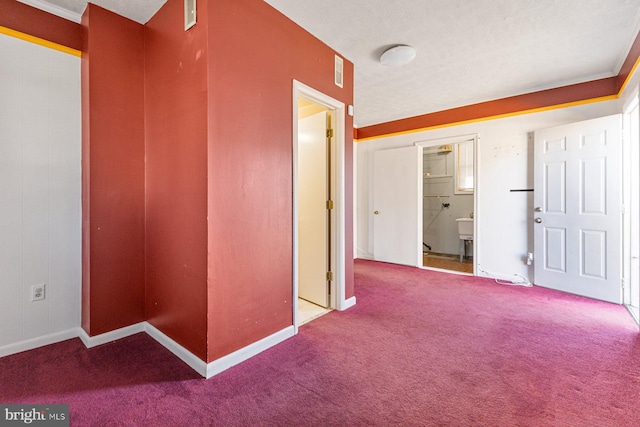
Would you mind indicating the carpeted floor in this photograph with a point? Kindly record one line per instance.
(420, 348)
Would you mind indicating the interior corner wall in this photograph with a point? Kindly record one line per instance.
(256, 54)
(505, 162)
(176, 175)
(113, 171)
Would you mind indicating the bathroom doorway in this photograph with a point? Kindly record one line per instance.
(449, 196)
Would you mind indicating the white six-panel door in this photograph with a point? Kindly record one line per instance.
(397, 231)
(577, 230)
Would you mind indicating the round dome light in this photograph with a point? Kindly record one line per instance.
(398, 55)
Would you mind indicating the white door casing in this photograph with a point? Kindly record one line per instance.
(577, 234)
(631, 220)
(338, 233)
(313, 189)
(397, 190)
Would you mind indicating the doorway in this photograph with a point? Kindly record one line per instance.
(448, 204)
(318, 204)
(315, 133)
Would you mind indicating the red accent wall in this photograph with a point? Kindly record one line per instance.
(29, 20)
(176, 175)
(113, 171)
(256, 52)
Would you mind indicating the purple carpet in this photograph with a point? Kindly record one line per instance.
(420, 348)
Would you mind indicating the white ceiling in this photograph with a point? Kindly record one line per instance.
(136, 10)
(469, 51)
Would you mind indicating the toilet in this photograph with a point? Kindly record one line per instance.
(465, 234)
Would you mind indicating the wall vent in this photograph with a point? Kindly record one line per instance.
(339, 76)
(189, 14)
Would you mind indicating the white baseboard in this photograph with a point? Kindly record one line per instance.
(197, 364)
(348, 303)
(30, 344)
(96, 340)
(362, 254)
(247, 352)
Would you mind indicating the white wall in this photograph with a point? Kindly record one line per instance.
(505, 162)
(40, 191)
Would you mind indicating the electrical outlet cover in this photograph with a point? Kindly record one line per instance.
(38, 292)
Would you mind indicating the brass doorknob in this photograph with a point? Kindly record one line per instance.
(376, 212)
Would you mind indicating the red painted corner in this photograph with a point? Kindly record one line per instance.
(176, 176)
(113, 171)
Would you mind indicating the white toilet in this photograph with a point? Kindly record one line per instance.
(465, 234)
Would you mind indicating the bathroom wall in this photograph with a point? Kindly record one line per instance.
(440, 230)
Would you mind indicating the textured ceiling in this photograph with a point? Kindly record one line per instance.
(469, 51)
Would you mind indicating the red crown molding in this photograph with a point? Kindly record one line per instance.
(530, 101)
(35, 22)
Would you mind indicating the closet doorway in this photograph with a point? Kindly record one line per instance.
(318, 204)
(449, 196)
(314, 221)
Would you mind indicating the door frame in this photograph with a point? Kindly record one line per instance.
(630, 176)
(476, 215)
(337, 178)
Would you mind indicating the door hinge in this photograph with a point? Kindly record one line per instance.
(329, 133)
(329, 204)
(623, 209)
(622, 283)
(329, 276)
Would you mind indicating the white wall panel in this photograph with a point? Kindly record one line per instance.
(40, 190)
(10, 191)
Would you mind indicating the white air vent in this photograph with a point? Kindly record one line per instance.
(339, 76)
(189, 14)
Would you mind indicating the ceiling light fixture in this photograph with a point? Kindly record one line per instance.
(398, 55)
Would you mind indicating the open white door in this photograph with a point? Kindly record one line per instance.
(397, 227)
(313, 218)
(578, 186)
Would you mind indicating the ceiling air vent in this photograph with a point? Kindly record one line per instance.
(189, 14)
(339, 76)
